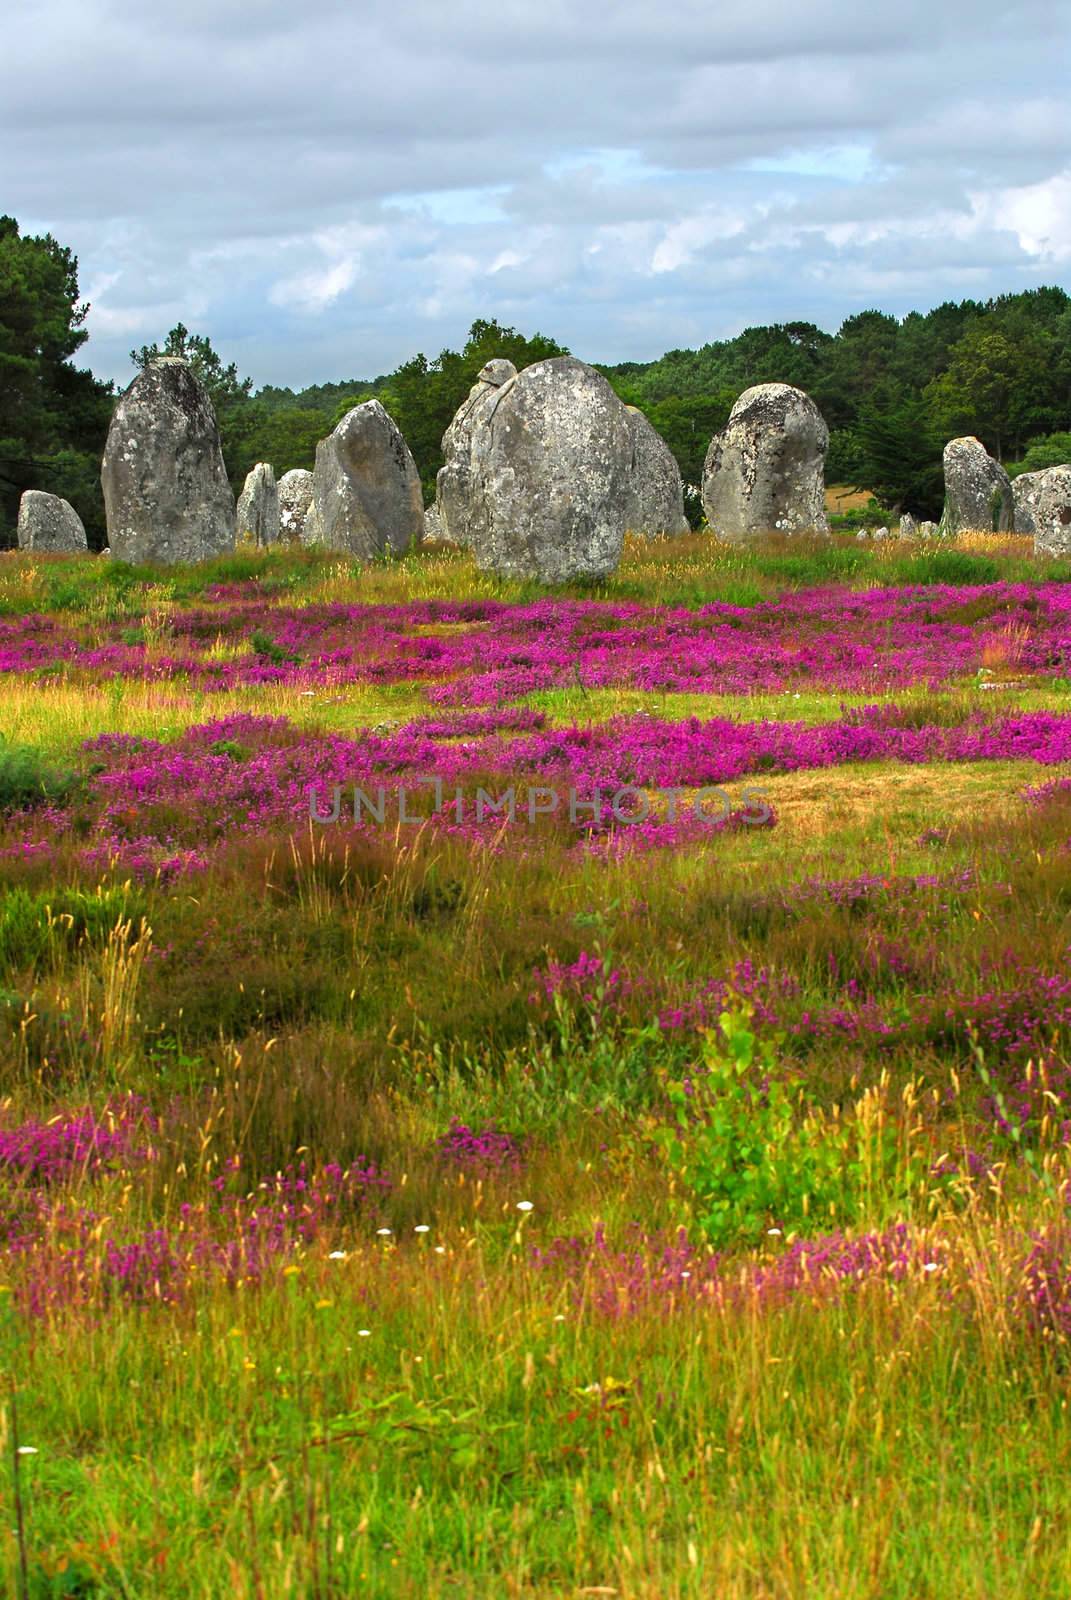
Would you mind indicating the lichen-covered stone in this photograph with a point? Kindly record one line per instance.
(978, 494)
(453, 484)
(258, 506)
(295, 498)
(909, 528)
(765, 471)
(550, 467)
(366, 496)
(433, 526)
(47, 523)
(166, 495)
(656, 494)
(929, 530)
(1043, 508)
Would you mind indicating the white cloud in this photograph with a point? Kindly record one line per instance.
(1039, 214)
(316, 289)
(324, 192)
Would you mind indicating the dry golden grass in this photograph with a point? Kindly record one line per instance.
(896, 799)
(842, 497)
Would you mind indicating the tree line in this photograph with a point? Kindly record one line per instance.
(892, 390)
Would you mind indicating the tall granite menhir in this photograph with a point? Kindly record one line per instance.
(258, 506)
(765, 471)
(453, 486)
(366, 496)
(549, 475)
(166, 495)
(295, 500)
(978, 494)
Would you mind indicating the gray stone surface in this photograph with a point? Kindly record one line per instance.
(166, 495)
(366, 496)
(909, 528)
(1043, 508)
(47, 523)
(978, 495)
(453, 484)
(929, 530)
(295, 498)
(656, 494)
(258, 506)
(550, 469)
(765, 471)
(433, 526)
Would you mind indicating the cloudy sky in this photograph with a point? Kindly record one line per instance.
(325, 192)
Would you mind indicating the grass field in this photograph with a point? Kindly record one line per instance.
(571, 1204)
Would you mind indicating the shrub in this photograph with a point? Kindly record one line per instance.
(37, 928)
(27, 779)
(262, 644)
(750, 1152)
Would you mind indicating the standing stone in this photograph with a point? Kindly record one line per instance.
(656, 497)
(453, 485)
(258, 506)
(550, 473)
(1043, 508)
(366, 495)
(978, 494)
(909, 528)
(166, 495)
(295, 498)
(929, 530)
(47, 523)
(765, 471)
(433, 526)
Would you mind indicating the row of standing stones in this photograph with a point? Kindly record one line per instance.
(545, 471)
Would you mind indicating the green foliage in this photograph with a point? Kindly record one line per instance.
(943, 566)
(37, 929)
(846, 461)
(53, 416)
(752, 1153)
(1051, 450)
(820, 563)
(737, 1146)
(225, 388)
(230, 747)
(28, 779)
(422, 396)
(899, 458)
(264, 645)
(990, 385)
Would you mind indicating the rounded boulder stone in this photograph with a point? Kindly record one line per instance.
(49, 524)
(656, 498)
(765, 471)
(1043, 508)
(551, 467)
